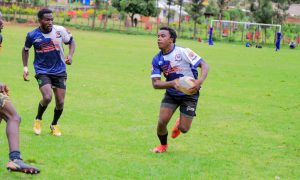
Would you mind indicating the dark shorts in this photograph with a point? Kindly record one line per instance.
(56, 81)
(187, 104)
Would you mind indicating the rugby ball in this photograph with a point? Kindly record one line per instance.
(185, 83)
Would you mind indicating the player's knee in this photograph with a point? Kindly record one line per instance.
(16, 118)
(161, 123)
(47, 98)
(60, 104)
(184, 129)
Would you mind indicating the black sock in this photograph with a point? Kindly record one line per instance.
(163, 139)
(57, 113)
(14, 155)
(41, 110)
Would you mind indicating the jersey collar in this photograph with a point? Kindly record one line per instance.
(168, 52)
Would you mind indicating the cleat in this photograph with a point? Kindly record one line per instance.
(19, 166)
(37, 126)
(55, 131)
(175, 130)
(160, 149)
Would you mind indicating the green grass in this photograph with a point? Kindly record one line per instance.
(247, 124)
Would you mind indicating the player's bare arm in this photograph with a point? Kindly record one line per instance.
(198, 82)
(25, 56)
(72, 47)
(157, 83)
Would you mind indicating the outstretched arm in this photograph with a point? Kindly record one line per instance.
(25, 56)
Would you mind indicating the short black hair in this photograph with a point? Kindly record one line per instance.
(171, 31)
(41, 13)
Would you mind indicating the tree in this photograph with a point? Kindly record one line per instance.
(211, 8)
(132, 7)
(196, 12)
(280, 12)
(263, 13)
(180, 2)
(222, 6)
(96, 6)
(169, 3)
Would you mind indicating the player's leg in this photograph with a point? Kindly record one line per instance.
(167, 109)
(13, 120)
(10, 115)
(187, 112)
(59, 82)
(185, 123)
(45, 87)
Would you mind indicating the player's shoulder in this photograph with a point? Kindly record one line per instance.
(59, 28)
(183, 49)
(34, 32)
(157, 56)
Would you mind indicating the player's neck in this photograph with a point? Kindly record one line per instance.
(45, 31)
(168, 49)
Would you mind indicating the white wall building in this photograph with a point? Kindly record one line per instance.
(175, 11)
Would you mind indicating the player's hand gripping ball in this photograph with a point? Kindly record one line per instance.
(185, 83)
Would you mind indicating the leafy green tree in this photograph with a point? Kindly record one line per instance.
(169, 3)
(196, 11)
(132, 7)
(180, 3)
(263, 13)
(222, 6)
(211, 8)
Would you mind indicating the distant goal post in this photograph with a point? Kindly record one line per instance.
(259, 25)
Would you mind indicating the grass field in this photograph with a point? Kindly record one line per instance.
(247, 124)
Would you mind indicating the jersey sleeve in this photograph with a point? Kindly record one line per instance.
(155, 72)
(191, 57)
(66, 36)
(28, 42)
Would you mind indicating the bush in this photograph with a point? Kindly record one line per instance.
(8, 18)
(231, 39)
(21, 20)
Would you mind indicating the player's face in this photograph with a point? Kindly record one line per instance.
(164, 39)
(46, 22)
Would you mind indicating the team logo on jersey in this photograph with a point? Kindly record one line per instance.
(160, 63)
(58, 35)
(192, 55)
(178, 57)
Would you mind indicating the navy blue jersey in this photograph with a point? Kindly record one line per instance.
(177, 63)
(48, 49)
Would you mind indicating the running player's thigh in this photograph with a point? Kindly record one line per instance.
(8, 111)
(167, 107)
(46, 90)
(165, 114)
(186, 121)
